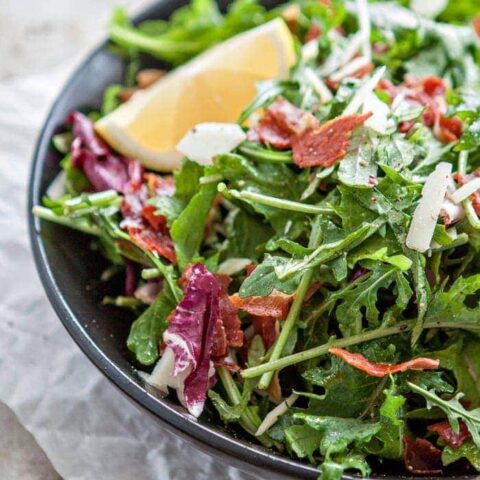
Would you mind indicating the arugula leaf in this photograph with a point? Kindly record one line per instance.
(454, 410)
(452, 302)
(467, 450)
(463, 359)
(188, 229)
(147, 329)
(75, 180)
(365, 297)
(334, 469)
(358, 167)
(341, 381)
(246, 235)
(337, 434)
(401, 262)
(392, 427)
(303, 440)
(187, 180)
(263, 279)
(169, 207)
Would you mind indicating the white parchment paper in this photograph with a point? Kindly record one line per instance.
(85, 426)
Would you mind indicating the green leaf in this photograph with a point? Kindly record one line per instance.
(392, 427)
(454, 410)
(168, 206)
(364, 296)
(263, 279)
(358, 166)
(452, 303)
(467, 450)
(338, 434)
(401, 262)
(75, 180)
(341, 381)
(334, 469)
(463, 359)
(246, 235)
(148, 328)
(303, 440)
(187, 180)
(188, 229)
(111, 99)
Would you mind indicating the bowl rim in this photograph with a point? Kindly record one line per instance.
(240, 453)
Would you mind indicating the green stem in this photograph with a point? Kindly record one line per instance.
(148, 273)
(86, 201)
(287, 326)
(329, 251)
(348, 342)
(47, 214)
(249, 420)
(467, 203)
(275, 202)
(253, 151)
(156, 46)
(162, 268)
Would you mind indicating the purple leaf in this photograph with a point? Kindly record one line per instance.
(186, 362)
(104, 169)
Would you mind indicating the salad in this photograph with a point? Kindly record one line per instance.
(308, 275)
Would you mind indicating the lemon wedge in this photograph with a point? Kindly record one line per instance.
(213, 87)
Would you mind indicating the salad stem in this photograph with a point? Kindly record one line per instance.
(348, 342)
(249, 420)
(148, 273)
(275, 202)
(253, 151)
(47, 214)
(287, 326)
(98, 199)
(467, 203)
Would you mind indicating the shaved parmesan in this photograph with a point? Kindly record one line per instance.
(310, 51)
(56, 189)
(207, 140)
(465, 191)
(349, 69)
(430, 8)
(272, 416)
(233, 265)
(364, 22)
(426, 214)
(318, 85)
(339, 57)
(362, 93)
(380, 113)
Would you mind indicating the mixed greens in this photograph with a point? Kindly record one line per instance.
(316, 288)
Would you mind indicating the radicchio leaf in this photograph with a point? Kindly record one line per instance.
(104, 169)
(186, 362)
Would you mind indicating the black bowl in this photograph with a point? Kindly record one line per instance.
(69, 269)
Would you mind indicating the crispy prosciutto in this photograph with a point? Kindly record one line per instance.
(446, 433)
(275, 305)
(358, 361)
(281, 122)
(430, 93)
(148, 230)
(326, 145)
(421, 457)
(186, 363)
(228, 325)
